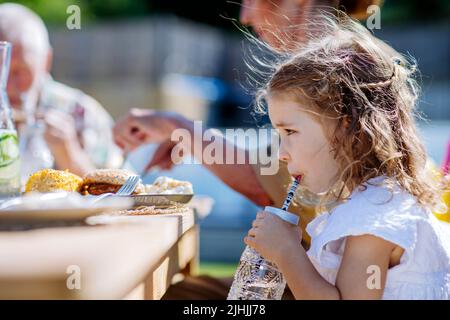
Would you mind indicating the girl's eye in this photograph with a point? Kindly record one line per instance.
(289, 131)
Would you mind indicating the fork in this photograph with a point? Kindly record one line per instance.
(125, 190)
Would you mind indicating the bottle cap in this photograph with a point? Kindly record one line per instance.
(286, 216)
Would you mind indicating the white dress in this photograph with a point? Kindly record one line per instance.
(424, 268)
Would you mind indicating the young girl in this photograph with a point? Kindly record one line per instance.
(344, 107)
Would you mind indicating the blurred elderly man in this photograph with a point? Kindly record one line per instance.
(75, 129)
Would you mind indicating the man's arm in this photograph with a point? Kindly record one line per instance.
(240, 177)
(141, 126)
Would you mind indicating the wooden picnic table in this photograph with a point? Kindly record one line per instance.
(131, 257)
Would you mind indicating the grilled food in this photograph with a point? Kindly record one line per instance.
(49, 180)
(106, 181)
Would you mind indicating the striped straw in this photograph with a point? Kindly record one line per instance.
(291, 193)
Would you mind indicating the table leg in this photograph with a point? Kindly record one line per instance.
(181, 258)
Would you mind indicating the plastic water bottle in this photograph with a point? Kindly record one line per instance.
(257, 278)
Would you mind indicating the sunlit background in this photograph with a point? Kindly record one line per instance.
(187, 56)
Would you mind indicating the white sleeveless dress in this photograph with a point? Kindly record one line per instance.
(424, 269)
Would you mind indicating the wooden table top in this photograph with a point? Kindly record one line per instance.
(111, 258)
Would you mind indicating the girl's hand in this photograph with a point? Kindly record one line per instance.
(272, 237)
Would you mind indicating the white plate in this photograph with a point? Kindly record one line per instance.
(49, 215)
(57, 207)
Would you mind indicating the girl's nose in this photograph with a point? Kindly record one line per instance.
(284, 155)
(245, 15)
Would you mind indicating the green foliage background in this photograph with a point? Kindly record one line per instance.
(55, 11)
(209, 11)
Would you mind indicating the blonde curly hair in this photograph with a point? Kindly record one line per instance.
(370, 90)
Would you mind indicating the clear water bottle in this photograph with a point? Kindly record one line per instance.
(9, 144)
(257, 278)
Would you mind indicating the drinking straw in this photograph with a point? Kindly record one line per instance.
(291, 193)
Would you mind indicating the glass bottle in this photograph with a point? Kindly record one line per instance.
(9, 144)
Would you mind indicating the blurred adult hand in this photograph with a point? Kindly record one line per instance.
(60, 132)
(143, 126)
(162, 158)
(62, 139)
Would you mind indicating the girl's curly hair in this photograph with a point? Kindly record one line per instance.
(369, 89)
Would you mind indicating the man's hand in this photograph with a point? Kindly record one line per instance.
(62, 139)
(60, 133)
(162, 157)
(142, 126)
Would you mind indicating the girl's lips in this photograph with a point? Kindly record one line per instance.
(300, 175)
(295, 175)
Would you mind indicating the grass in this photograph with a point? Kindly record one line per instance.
(218, 269)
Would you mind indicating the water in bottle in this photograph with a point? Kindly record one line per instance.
(257, 278)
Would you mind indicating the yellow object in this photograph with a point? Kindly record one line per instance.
(49, 180)
(439, 178)
(446, 198)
